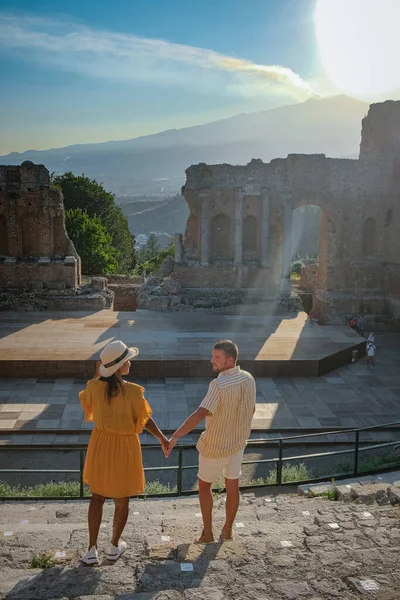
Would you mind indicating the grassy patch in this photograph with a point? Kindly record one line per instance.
(49, 490)
(330, 494)
(42, 561)
(157, 488)
(290, 474)
(69, 488)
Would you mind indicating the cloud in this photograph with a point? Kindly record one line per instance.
(71, 46)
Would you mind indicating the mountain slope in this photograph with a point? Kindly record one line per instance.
(155, 164)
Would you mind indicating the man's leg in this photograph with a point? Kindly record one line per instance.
(94, 518)
(120, 518)
(231, 508)
(232, 472)
(206, 506)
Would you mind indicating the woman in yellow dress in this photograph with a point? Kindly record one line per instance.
(113, 466)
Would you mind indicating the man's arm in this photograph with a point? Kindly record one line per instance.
(190, 424)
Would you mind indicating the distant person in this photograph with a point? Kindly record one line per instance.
(228, 408)
(113, 467)
(371, 349)
(361, 325)
(353, 323)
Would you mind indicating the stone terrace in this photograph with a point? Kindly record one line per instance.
(352, 396)
(285, 549)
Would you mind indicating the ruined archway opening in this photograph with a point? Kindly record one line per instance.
(308, 257)
(221, 238)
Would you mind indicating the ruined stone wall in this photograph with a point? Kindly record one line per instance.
(38, 275)
(225, 276)
(380, 140)
(34, 245)
(359, 254)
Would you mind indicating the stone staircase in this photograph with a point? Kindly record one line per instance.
(286, 548)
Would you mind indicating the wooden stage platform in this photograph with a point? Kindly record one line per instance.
(56, 345)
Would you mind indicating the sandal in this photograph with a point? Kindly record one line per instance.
(204, 539)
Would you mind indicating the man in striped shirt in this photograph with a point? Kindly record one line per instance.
(228, 409)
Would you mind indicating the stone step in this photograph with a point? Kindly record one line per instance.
(285, 548)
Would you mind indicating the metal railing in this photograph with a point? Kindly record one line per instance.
(180, 468)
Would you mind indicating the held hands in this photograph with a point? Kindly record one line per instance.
(164, 444)
(172, 444)
(168, 445)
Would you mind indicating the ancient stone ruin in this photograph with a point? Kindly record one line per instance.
(39, 265)
(237, 243)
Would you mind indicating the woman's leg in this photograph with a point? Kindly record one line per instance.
(120, 518)
(94, 518)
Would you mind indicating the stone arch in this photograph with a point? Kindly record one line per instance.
(221, 238)
(309, 244)
(369, 237)
(3, 235)
(250, 234)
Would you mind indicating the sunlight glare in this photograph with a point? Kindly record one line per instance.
(359, 45)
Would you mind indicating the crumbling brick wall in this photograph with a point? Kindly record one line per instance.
(360, 225)
(34, 243)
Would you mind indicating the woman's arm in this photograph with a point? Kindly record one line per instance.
(151, 427)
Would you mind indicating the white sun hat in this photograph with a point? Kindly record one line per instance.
(113, 357)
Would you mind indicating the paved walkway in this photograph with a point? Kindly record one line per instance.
(353, 396)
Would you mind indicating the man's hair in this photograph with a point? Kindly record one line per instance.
(229, 347)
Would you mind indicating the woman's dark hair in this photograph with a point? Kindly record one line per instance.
(113, 385)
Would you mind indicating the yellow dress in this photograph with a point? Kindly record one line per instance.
(113, 466)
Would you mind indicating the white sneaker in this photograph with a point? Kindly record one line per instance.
(91, 557)
(114, 552)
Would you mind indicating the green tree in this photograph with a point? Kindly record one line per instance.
(149, 250)
(151, 265)
(92, 242)
(88, 195)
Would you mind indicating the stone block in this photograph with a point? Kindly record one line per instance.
(344, 492)
(366, 494)
(382, 498)
(171, 286)
(394, 495)
(70, 261)
(43, 260)
(98, 284)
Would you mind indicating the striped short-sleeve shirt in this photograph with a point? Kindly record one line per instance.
(231, 400)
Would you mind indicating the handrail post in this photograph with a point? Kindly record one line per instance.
(357, 443)
(179, 475)
(279, 465)
(81, 474)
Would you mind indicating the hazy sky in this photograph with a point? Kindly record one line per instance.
(87, 71)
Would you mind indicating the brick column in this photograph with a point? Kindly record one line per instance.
(205, 229)
(264, 229)
(178, 248)
(287, 242)
(238, 248)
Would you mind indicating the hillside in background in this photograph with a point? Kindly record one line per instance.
(155, 164)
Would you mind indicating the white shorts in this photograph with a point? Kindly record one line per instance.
(212, 468)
